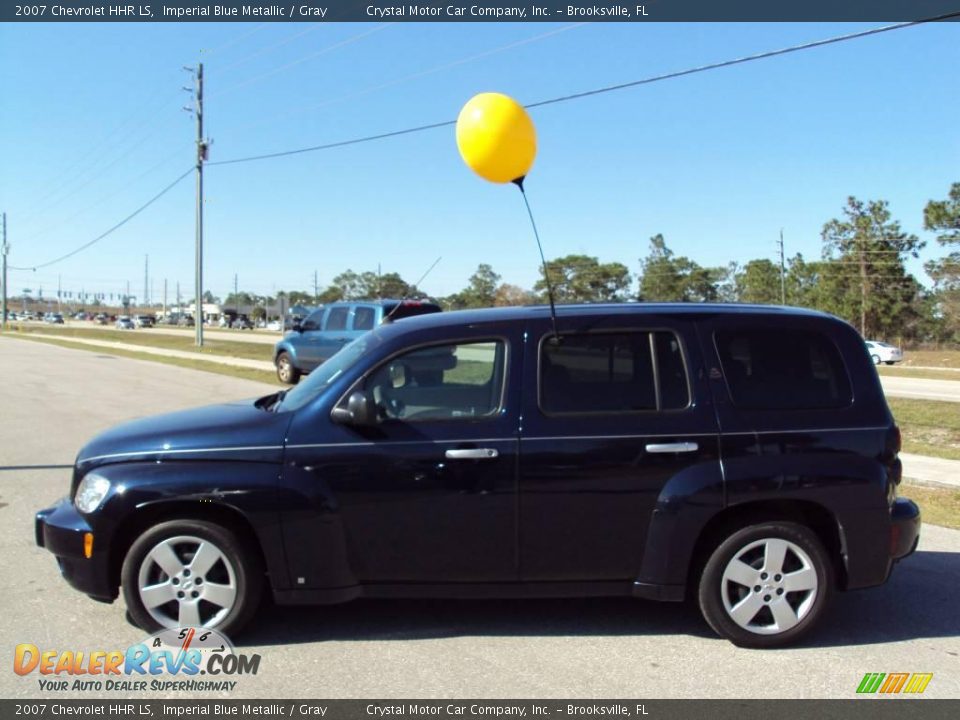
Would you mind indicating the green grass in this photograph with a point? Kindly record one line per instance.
(938, 506)
(204, 365)
(228, 348)
(929, 427)
(932, 358)
(925, 374)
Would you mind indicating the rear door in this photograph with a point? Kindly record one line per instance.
(613, 413)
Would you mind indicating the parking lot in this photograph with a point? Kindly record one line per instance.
(54, 399)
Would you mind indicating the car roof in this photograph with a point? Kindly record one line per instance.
(585, 310)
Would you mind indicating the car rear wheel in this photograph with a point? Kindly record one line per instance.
(286, 371)
(191, 574)
(766, 585)
(889, 362)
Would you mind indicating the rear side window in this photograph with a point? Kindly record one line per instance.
(409, 308)
(783, 370)
(613, 373)
(337, 319)
(363, 318)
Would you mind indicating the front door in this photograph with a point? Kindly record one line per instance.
(429, 493)
(612, 417)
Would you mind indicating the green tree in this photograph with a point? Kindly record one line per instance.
(665, 277)
(943, 218)
(867, 250)
(480, 292)
(581, 278)
(759, 282)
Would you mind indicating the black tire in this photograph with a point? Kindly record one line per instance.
(242, 570)
(889, 362)
(287, 372)
(876, 359)
(759, 629)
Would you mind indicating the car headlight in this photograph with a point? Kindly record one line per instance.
(91, 492)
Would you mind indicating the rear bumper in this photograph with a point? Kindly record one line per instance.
(904, 528)
(60, 529)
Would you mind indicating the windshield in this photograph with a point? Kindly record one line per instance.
(321, 378)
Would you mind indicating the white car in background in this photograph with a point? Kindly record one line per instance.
(881, 352)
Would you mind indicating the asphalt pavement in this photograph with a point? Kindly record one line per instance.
(53, 399)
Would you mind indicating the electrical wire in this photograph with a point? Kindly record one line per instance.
(608, 88)
(120, 224)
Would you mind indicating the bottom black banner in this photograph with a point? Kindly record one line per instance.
(865, 709)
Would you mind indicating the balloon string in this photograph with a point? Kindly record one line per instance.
(546, 275)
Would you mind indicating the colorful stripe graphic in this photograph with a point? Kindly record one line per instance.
(893, 683)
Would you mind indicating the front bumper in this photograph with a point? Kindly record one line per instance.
(904, 528)
(60, 529)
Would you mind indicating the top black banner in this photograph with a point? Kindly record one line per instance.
(486, 11)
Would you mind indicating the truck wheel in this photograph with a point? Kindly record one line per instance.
(766, 584)
(286, 371)
(191, 573)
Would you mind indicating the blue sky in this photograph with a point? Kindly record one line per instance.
(91, 127)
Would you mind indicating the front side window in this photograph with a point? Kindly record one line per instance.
(781, 369)
(313, 320)
(613, 373)
(463, 380)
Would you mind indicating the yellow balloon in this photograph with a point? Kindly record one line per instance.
(496, 137)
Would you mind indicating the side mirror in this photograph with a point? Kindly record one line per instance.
(297, 326)
(361, 411)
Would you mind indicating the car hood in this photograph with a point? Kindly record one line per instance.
(231, 431)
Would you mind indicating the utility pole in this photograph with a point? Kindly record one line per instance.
(164, 297)
(201, 157)
(146, 279)
(783, 281)
(236, 297)
(179, 311)
(863, 287)
(59, 293)
(316, 291)
(4, 248)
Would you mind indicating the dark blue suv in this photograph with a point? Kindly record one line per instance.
(741, 456)
(328, 328)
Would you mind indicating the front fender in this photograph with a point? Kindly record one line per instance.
(240, 494)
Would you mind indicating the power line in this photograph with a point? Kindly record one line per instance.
(120, 224)
(608, 88)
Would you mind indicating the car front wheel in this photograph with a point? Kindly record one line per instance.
(766, 585)
(876, 359)
(286, 370)
(191, 574)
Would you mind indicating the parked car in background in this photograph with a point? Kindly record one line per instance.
(27, 315)
(881, 352)
(53, 318)
(242, 322)
(743, 457)
(144, 321)
(81, 316)
(124, 322)
(330, 327)
(186, 321)
(275, 325)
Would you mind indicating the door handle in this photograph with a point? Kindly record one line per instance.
(472, 454)
(676, 447)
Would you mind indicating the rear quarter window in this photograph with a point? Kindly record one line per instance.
(783, 369)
